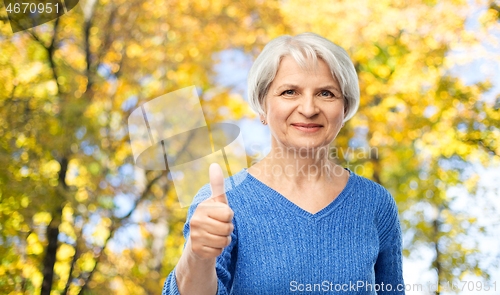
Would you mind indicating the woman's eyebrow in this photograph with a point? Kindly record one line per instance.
(296, 86)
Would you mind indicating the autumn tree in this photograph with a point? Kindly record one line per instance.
(67, 90)
(70, 194)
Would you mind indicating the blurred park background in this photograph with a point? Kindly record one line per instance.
(76, 215)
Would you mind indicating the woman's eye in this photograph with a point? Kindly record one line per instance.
(288, 92)
(328, 93)
(292, 92)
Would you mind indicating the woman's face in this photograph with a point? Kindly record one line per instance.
(296, 98)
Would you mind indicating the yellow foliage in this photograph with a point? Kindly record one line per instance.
(50, 168)
(65, 252)
(37, 278)
(81, 195)
(398, 48)
(34, 246)
(40, 217)
(86, 262)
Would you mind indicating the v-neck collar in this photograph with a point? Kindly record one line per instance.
(284, 202)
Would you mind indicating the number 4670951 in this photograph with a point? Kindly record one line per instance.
(32, 8)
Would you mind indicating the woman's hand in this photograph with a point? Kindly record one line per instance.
(210, 232)
(211, 224)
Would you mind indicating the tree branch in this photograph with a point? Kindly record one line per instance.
(50, 51)
(34, 36)
(107, 39)
(484, 146)
(73, 262)
(113, 229)
(89, 13)
(138, 201)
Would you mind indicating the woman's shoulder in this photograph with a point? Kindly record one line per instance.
(381, 202)
(374, 191)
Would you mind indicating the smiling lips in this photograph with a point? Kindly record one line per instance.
(310, 127)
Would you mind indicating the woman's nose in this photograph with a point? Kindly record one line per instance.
(307, 106)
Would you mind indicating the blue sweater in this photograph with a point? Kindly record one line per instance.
(352, 246)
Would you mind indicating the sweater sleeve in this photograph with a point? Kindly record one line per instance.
(225, 263)
(389, 264)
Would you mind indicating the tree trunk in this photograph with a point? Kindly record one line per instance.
(437, 262)
(50, 255)
(52, 234)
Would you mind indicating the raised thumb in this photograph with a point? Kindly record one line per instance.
(217, 183)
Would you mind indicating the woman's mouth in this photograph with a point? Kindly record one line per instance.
(309, 128)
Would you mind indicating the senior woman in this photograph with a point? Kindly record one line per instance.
(297, 222)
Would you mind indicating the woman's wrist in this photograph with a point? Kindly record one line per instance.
(196, 275)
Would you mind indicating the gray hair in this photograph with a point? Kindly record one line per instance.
(313, 46)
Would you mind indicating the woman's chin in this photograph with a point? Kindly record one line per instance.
(308, 145)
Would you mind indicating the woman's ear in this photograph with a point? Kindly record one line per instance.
(262, 119)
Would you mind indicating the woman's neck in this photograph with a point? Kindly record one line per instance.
(298, 166)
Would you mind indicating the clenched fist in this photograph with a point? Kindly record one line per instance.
(211, 224)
